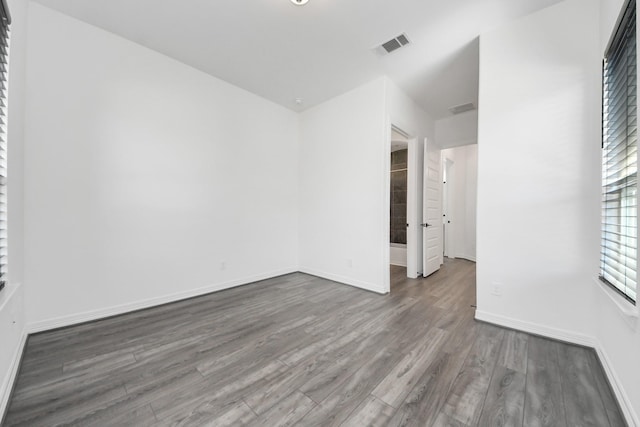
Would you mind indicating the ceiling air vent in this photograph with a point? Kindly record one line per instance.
(462, 108)
(394, 44)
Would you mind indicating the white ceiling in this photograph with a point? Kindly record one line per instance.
(282, 52)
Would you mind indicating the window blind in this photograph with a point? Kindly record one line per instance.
(619, 246)
(5, 21)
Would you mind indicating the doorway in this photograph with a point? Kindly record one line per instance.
(448, 196)
(404, 182)
(459, 195)
(449, 209)
(398, 198)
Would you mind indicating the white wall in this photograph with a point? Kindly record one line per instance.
(341, 164)
(143, 176)
(344, 182)
(463, 194)
(617, 333)
(610, 12)
(12, 316)
(538, 180)
(454, 131)
(539, 186)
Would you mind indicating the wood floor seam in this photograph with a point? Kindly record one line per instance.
(493, 370)
(311, 398)
(566, 419)
(253, 410)
(525, 388)
(153, 412)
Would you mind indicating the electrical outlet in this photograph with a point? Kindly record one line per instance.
(496, 289)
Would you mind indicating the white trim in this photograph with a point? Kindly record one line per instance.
(537, 329)
(413, 200)
(468, 258)
(88, 316)
(627, 311)
(398, 264)
(386, 195)
(623, 400)
(7, 293)
(460, 143)
(448, 166)
(345, 280)
(7, 386)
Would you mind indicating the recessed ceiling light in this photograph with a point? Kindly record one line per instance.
(299, 2)
(299, 101)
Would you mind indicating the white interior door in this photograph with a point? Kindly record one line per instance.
(432, 211)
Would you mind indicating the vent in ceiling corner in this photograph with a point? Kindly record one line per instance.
(462, 108)
(394, 44)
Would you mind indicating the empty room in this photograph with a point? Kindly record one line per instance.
(318, 213)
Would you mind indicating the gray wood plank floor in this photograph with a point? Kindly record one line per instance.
(300, 350)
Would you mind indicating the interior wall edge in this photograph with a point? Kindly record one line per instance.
(630, 415)
(398, 264)
(462, 143)
(537, 329)
(7, 387)
(345, 280)
(573, 338)
(88, 316)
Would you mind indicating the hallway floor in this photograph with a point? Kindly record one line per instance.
(301, 350)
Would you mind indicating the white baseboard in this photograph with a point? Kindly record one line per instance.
(574, 338)
(89, 316)
(398, 264)
(344, 280)
(629, 413)
(537, 329)
(7, 386)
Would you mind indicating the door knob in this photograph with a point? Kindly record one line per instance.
(425, 225)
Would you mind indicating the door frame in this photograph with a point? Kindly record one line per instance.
(450, 227)
(415, 163)
(414, 215)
